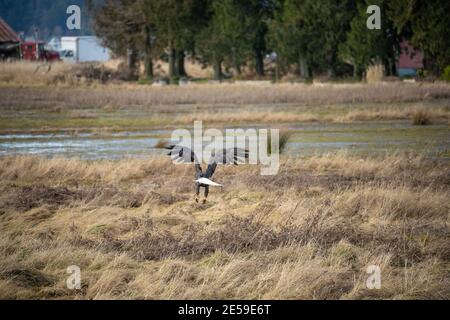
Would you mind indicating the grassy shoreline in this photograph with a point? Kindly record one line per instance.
(119, 108)
(52, 119)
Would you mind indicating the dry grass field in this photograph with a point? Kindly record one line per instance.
(222, 94)
(308, 233)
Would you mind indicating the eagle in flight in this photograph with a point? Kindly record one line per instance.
(231, 156)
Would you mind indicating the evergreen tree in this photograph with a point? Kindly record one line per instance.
(122, 26)
(365, 47)
(258, 13)
(307, 33)
(225, 39)
(176, 23)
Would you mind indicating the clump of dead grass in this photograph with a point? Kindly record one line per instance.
(421, 118)
(375, 73)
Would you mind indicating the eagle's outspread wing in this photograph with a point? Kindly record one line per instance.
(225, 156)
(182, 154)
(229, 156)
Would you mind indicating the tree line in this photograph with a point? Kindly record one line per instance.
(305, 37)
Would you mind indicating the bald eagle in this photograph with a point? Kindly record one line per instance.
(229, 156)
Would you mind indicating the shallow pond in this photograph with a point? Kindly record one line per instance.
(305, 140)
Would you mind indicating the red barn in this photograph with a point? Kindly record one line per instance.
(9, 42)
(410, 60)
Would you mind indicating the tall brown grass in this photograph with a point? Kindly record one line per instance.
(31, 73)
(375, 73)
(307, 233)
(120, 95)
(415, 113)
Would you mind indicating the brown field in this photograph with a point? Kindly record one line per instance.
(308, 233)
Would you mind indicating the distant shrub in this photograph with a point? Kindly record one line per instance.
(446, 74)
(145, 81)
(421, 118)
(422, 73)
(175, 80)
(161, 144)
(125, 73)
(343, 70)
(284, 138)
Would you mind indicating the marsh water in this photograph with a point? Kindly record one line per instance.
(306, 139)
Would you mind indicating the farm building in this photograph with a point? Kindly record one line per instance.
(9, 42)
(410, 60)
(83, 49)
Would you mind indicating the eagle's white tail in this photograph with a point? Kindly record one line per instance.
(208, 182)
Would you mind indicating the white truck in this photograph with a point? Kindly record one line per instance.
(83, 49)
